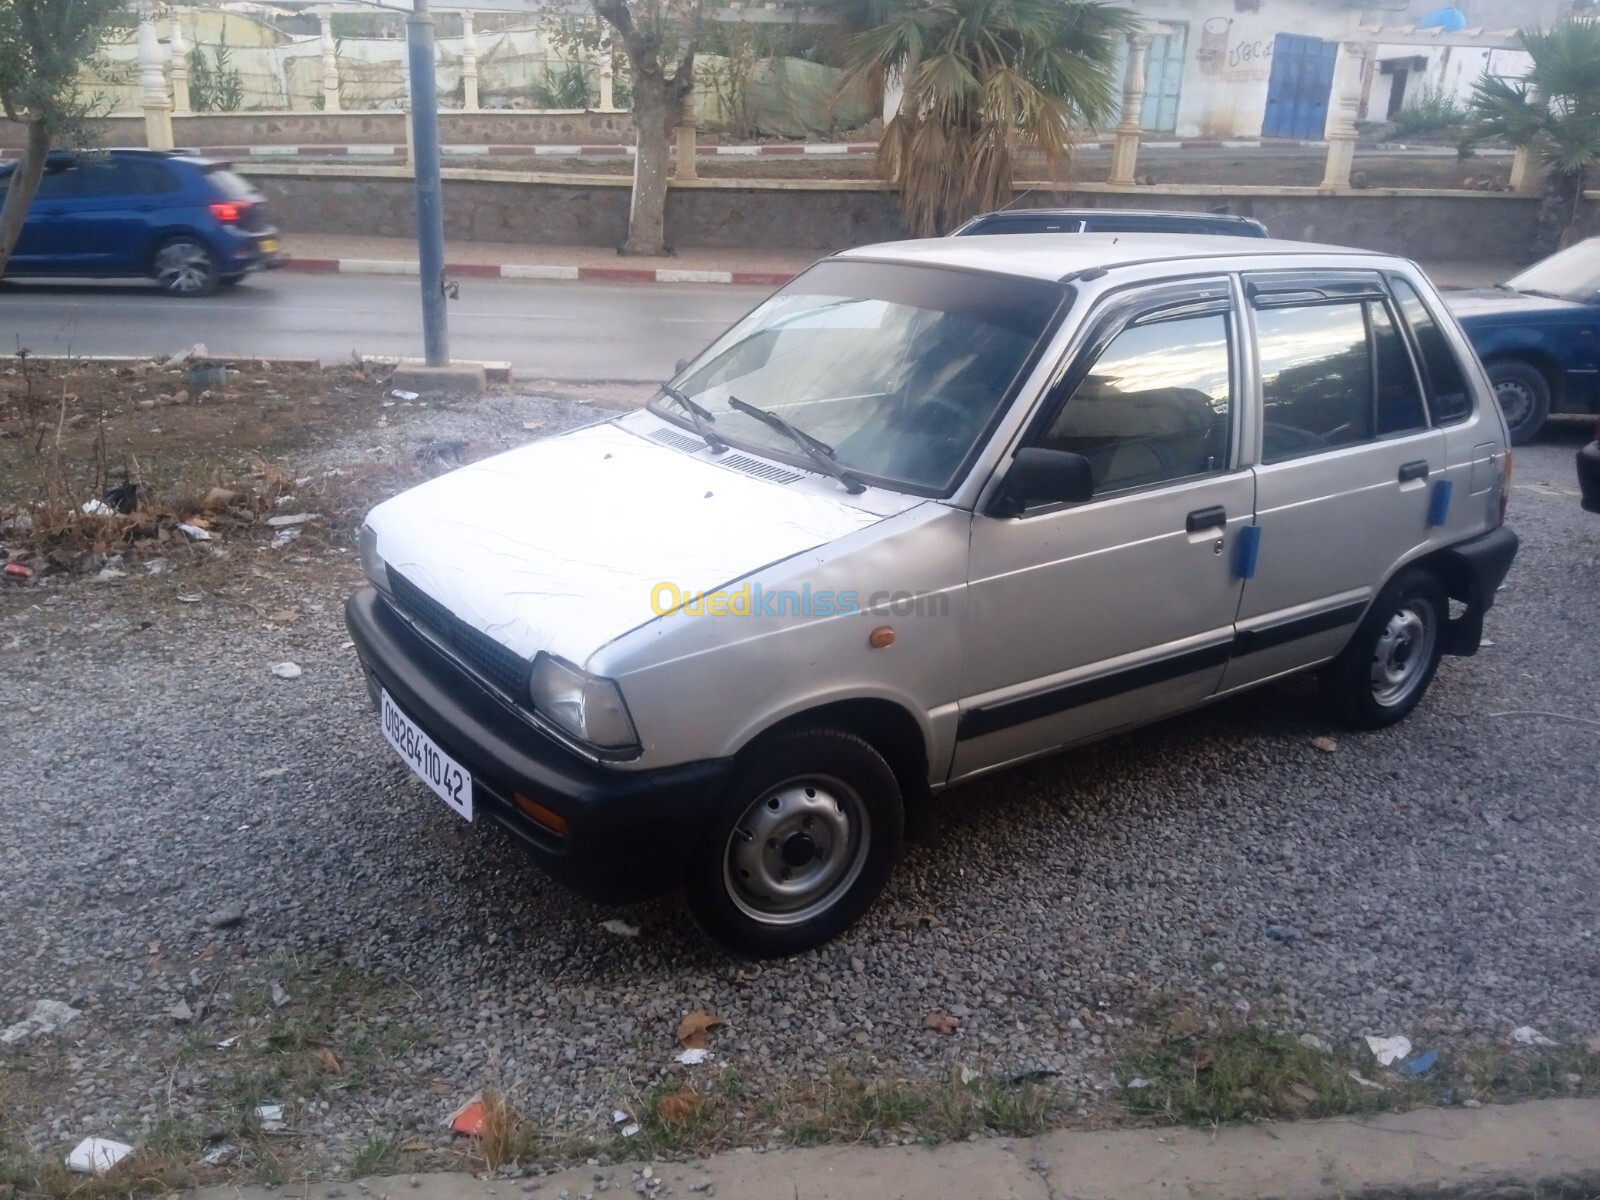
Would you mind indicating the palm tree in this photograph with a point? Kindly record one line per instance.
(983, 79)
(1554, 109)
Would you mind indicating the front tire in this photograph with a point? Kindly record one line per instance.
(1384, 671)
(185, 266)
(800, 845)
(1524, 396)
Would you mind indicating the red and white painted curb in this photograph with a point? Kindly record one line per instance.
(764, 150)
(383, 266)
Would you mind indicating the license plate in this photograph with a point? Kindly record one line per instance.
(268, 245)
(448, 779)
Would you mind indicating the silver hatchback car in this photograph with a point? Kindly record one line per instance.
(932, 509)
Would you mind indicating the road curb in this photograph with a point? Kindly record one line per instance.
(383, 150)
(383, 266)
(1542, 1148)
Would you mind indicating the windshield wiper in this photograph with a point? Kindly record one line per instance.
(698, 415)
(815, 449)
(1541, 294)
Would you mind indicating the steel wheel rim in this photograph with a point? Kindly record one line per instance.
(1516, 401)
(1404, 649)
(183, 267)
(796, 850)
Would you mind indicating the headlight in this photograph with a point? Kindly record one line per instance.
(585, 706)
(372, 566)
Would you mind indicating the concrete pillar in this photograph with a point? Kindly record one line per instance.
(180, 68)
(469, 62)
(1343, 105)
(330, 63)
(608, 96)
(687, 167)
(153, 96)
(1125, 149)
(1524, 172)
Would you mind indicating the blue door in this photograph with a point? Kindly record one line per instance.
(1299, 87)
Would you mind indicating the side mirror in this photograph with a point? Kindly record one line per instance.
(1040, 476)
(678, 370)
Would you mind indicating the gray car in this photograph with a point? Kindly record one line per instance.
(933, 509)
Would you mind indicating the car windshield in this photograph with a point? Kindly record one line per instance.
(1570, 274)
(898, 370)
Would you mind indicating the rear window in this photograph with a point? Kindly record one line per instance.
(231, 185)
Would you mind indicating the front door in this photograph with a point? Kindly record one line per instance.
(1299, 87)
(1347, 466)
(1086, 618)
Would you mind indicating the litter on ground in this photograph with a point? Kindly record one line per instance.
(96, 1156)
(1390, 1049)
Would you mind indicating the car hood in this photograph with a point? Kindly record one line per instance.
(559, 545)
(1493, 302)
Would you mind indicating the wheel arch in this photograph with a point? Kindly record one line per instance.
(886, 726)
(161, 237)
(1541, 360)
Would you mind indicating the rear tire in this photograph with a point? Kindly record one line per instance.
(1524, 396)
(1390, 661)
(184, 266)
(800, 845)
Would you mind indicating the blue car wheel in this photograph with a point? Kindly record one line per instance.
(184, 266)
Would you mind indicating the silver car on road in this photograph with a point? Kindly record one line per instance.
(933, 509)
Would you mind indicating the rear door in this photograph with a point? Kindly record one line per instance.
(121, 203)
(1346, 463)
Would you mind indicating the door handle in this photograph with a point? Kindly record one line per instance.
(1413, 470)
(1205, 518)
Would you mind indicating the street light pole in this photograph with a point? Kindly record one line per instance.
(430, 191)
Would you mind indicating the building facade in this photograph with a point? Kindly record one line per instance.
(1227, 69)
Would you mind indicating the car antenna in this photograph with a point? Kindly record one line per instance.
(1016, 199)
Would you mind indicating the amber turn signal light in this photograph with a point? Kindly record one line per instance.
(540, 815)
(880, 637)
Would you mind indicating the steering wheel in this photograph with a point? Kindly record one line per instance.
(953, 411)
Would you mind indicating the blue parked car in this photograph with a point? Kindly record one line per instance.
(187, 222)
(1539, 336)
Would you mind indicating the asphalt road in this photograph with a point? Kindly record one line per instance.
(558, 330)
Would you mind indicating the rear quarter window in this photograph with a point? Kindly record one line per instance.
(1444, 383)
(231, 185)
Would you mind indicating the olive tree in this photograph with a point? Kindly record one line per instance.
(43, 43)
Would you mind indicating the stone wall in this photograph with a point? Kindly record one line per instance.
(1430, 226)
(338, 129)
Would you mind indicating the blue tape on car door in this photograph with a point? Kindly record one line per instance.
(1439, 502)
(1244, 563)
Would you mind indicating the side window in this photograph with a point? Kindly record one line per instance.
(56, 185)
(1448, 398)
(1316, 379)
(1155, 406)
(1399, 393)
(100, 178)
(107, 177)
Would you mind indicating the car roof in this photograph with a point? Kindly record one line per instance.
(1055, 256)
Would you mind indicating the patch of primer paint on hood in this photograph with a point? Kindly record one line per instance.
(557, 545)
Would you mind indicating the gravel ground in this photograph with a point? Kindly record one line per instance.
(1442, 877)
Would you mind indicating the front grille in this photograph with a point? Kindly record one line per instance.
(494, 662)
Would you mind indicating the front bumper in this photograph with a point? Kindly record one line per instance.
(630, 832)
(1589, 476)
